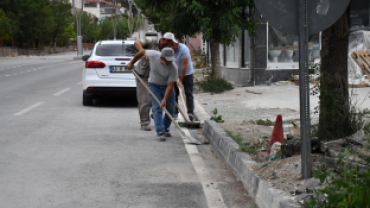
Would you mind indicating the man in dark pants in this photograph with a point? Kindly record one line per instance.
(185, 71)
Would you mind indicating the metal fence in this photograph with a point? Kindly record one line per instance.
(13, 51)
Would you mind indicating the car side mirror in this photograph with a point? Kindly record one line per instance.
(85, 57)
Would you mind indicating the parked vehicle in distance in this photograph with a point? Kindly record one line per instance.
(105, 71)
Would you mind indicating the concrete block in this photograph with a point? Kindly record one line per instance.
(241, 164)
(233, 149)
(224, 146)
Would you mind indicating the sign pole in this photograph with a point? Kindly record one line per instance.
(304, 92)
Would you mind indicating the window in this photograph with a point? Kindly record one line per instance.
(283, 50)
(246, 49)
(116, 50)
(233, 54)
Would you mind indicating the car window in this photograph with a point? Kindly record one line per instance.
(116, 50)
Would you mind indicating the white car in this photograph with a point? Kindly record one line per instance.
(105, 71)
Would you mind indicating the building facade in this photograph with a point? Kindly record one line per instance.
(275, 54)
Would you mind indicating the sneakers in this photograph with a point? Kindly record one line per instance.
(146, 128)
(162, 137)
(167, 134)
(191, 117)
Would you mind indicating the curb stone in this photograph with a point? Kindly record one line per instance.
(264, 194)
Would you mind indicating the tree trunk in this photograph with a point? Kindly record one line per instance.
(334, 121)
(215, 59)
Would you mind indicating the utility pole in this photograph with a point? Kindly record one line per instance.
(78, 19)
(130, 17)
(114, 18)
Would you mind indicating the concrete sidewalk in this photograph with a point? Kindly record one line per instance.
(253, 103)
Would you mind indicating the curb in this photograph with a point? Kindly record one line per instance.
(240, 163)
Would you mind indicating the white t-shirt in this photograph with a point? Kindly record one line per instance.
(160, 74)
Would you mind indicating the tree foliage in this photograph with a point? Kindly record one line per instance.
(31, 21)
(219, 21)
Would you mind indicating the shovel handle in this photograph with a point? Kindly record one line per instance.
(183, 101)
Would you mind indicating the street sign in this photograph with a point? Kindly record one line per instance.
(303, 18)
(284, 15)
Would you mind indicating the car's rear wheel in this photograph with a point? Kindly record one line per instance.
(87, 100)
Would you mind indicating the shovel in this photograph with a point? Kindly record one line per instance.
(182, 133)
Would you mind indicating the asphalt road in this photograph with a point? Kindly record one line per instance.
(54, 152)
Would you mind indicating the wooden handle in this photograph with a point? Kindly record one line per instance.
(183, 101)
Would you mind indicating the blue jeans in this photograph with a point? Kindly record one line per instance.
(162, 124)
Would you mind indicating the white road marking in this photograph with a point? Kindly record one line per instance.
(75, 62)
(212, 193)
(78, 83)
(34, 69)
(7, 75)
(61, 92)
(28, 109)
(14, 74)
(29, 70)
(39, 68)
(202, 111)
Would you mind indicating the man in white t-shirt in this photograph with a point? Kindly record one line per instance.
(162, 77)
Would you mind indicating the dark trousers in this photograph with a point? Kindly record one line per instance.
(188, 86)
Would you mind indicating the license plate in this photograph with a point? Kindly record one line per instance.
(117, 69)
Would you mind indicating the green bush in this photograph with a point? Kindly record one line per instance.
(215, 85)
(347, 188)
(215, 117)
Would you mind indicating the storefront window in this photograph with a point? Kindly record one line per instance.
(246, 49)
(233, 53)
(283, 51)
(360, 15)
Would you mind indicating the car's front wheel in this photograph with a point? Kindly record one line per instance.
(87, 100)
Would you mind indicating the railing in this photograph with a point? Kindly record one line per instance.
(12, 51)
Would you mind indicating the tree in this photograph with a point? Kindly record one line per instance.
(219, 21)
(45, 24)
(61, 10)
(122, 28)
(106, 30)
(334, 120)
(5, 24)
(88, 27)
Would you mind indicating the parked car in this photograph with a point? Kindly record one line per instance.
(105, 71)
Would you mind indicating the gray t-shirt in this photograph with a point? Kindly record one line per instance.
(160, 74)
(150, 43)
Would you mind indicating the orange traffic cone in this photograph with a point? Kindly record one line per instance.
(277, 133)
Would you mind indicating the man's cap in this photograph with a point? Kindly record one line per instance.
(168, 54)
(170, 36)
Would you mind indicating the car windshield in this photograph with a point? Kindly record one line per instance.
(116, 50)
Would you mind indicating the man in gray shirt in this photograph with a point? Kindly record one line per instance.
(162, 78)
(142, 69)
